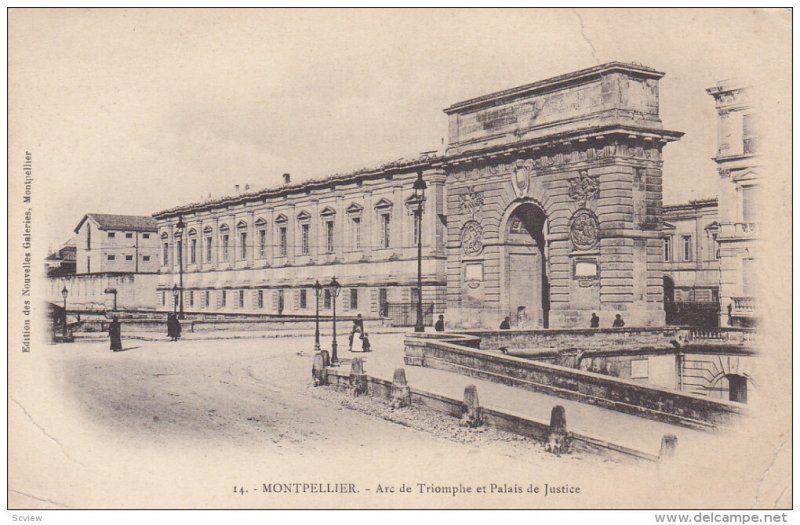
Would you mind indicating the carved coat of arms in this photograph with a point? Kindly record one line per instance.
(471, 202)
(472, 238)
(521, 176)
(584, 230)
(584, 188)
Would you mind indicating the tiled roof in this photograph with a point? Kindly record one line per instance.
(134, 223)
(294, 187)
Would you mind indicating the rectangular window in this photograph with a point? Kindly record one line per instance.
(383, 302)
(329, 237)
(304, 229)
(714, 245)
(667, 249)
(207, 298)
(192, 251)
(748, 277)
(385, 223)
(283, 241)
(303, 300)
(225, 240)
(262, 243)
(129, 236)
(687, 247)
(353, 298)
(224, 298)
(129, 257)
(415, 229)
(749, 203)
(261, 298)
(111, 257)
(191, 298)
(241, 298)
(356, 226)
(326, 298)
(414, 296)
(145, 236)
(280, 302)
(208, 249)
(111, 235)
(146, 258)
(163, 299)
(748, 134)
(88, 236)
(243, 246)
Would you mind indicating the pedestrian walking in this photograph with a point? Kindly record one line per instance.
(439, 326)
(595, 322)
(173, 327)
(618, 322)
(365, 346)
(358, 327)
(115, 334)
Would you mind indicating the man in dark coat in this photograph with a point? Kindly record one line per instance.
(358, 326)
(115, 334)
(506, 324)
(595, 322)
(365, 346)
(618, 322)
(439, 326)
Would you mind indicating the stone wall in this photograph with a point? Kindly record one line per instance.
(87, 291)
(583, 339)
(587, 387)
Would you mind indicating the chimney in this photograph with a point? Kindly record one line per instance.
(287, 178)
(237, 188)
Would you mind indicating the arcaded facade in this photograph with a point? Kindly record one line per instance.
(545, 207)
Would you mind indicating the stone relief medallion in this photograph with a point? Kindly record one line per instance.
(472, 238)
(584, 188)
(584, 229)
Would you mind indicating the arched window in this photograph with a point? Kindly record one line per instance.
(241, 228)
(224, 241)
(261, 229)
(164, 249)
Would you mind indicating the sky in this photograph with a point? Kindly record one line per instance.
(135, 111)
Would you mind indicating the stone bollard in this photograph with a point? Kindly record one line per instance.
(326, 358)
(358, 378)
(472, 416)
(318, 370)
(669, 445)
(401, 392)
(558, 439)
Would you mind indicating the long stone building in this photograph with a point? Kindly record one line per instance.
(545, 207)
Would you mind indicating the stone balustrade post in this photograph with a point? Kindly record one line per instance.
(558, 438)
(318, 370)
(401, 392)
(358, 378)
(669, 445)
(472, 415)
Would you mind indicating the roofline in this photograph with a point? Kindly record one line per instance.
(557, 81)
(101, 227)
(692, 204)
(413, 166)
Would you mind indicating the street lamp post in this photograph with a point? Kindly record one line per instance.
(175, 298)
(419, 198)
(317, 291)
(180, 227)
(64, 294)
(335, 288)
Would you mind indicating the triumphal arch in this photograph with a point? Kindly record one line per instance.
(554, 193)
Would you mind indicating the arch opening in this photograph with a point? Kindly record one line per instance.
(526, 287)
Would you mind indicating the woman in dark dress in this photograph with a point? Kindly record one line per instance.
(115, 334)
